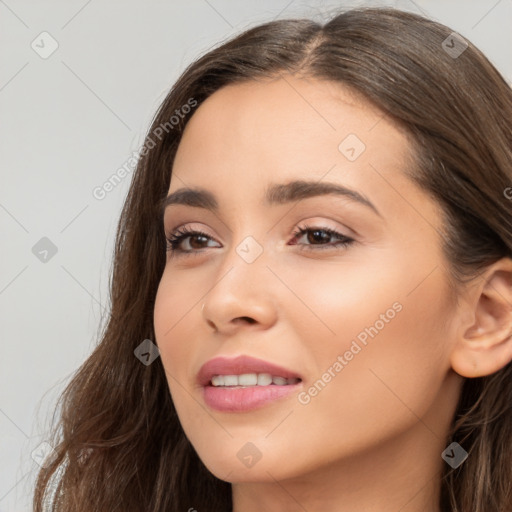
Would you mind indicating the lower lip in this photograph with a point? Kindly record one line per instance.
(240, 399)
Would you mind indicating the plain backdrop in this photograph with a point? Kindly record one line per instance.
(79, 83)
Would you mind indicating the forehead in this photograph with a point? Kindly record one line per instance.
(288, 106)
(284, 121)
(248, 135)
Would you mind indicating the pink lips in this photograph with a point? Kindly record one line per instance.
(239, 399)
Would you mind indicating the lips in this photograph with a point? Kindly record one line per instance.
(241, 365)
(243, 384)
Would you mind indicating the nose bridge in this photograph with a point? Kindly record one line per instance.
(242, 285)
(244, 267)
(246, 251)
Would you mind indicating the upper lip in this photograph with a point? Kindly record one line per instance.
(240, 365)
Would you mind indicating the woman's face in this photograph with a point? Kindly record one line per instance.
(356, 306)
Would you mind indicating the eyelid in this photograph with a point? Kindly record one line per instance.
(189, 226)
(186, 230)
(312, 221)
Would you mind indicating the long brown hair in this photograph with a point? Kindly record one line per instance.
(119, 443)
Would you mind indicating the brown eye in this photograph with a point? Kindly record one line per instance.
(195, 239)
(318, 236)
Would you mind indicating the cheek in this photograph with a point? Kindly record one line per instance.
(174, 317)
(328, 305)
(394, 358)
(376, 341)
(175, 322)
(178, 297)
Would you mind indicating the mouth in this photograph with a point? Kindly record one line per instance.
(251, 379)
(244, 383)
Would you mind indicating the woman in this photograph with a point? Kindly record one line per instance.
(333, 311)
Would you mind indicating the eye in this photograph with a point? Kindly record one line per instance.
(191, 238)
(318, 236)
(186, 241)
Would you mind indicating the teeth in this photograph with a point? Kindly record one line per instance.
(251, 379)
(264, 379)
(218, 380)
(230, 380)
(246, 379)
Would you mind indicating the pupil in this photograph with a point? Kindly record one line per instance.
(314, 237)
(197, 237)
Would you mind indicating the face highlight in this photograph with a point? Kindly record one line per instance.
(310, 250)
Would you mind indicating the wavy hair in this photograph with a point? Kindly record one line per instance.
(118, 442)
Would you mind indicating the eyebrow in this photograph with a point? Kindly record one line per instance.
(275, 194)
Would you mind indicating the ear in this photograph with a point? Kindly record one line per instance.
(484, 336)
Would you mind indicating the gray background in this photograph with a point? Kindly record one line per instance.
(68, 122)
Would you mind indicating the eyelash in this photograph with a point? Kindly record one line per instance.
(175, 239)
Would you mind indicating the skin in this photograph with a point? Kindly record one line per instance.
(371, 439)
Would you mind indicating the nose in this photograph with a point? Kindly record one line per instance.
(242, 296)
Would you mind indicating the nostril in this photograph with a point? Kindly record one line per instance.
(248, 319)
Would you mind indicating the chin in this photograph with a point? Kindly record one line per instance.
(239, 465)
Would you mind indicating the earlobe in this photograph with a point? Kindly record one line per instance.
(484, 339)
